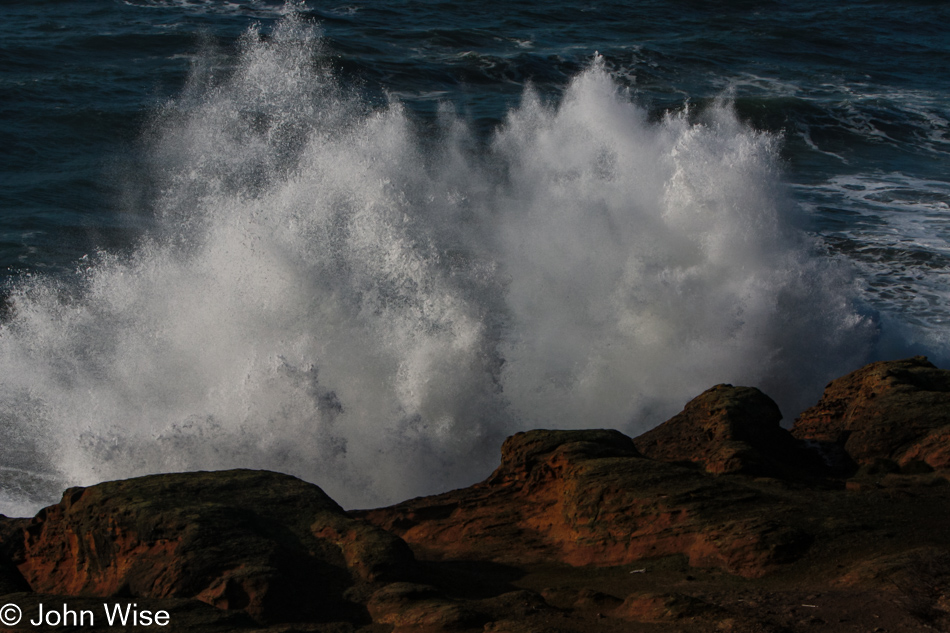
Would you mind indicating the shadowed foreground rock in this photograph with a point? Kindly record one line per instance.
(717, 520)
(267, 544)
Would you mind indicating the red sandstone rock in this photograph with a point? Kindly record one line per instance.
(498, 556)
(589, 498)
(730, 429)
(265, 543)
(933, 449)
(896, 410)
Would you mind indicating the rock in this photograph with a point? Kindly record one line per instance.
(589, 498)
(584, 599)
(654, 607)
(903, 568)
(894, 410)
(569, 521)
(264, 543)
(730, 429)
(11, 545)
(11, 580)
(592, 600)
(411, 606)
(524, 456)
(933, 449)
(515, 604)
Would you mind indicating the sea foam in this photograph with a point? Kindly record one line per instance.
(340, 292)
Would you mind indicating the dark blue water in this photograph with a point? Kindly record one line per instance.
(859, 88)
(244, 233)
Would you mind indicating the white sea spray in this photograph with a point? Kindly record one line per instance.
(334, 293)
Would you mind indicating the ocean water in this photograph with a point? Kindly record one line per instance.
(362, 242)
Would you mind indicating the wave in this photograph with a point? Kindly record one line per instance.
(894, 229)
(343, 293)
(255, 8)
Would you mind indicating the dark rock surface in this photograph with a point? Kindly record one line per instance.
(730, 429)
(893, 410)
(717, 520)
(263, 543)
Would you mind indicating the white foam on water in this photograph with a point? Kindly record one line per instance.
(897, 235)
(923, 114)
(335, 294)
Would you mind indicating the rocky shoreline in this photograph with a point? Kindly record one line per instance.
(717, 520)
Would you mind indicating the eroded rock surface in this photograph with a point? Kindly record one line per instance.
(717, 520)
(730, 429)
(264, 543)
(891, 410)
(589, 497)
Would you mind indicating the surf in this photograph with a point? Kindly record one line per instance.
(335, 290)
